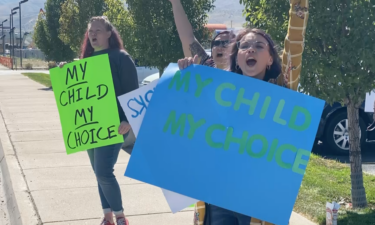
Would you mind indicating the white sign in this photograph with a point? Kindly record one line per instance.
(135, 105)
(369, 104)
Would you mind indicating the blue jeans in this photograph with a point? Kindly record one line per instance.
(103, 160)
(220, 216)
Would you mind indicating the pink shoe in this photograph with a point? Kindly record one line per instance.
(106, 222)
(122, 221)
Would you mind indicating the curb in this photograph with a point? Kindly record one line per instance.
(20, 206)
(298, 219)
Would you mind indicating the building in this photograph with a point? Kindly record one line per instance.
(216, 28)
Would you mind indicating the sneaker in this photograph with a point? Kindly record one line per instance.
(106, 222)
(122, 221)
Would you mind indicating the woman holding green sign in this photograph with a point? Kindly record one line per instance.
(102, 38)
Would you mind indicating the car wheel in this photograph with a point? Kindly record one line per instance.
(337, 134)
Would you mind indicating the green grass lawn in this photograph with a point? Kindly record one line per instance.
(41, 78)
(327, 181)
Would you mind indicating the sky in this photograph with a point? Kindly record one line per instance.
(225, 12)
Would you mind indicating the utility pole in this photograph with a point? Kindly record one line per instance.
(2, 33)
(21, 40)
(14, 33)
(10, 34)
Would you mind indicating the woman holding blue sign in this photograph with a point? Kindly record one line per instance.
(254, 55)
(219, 44)
(102, 38)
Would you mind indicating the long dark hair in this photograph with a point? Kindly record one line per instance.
(115, 41)
(275, 69)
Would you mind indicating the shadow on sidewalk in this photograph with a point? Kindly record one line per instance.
(46, 89)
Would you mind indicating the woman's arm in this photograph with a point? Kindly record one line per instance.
(294, 44)
(190, 45)
(129, 76)
(128, 79)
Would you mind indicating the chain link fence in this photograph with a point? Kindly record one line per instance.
(31, 59)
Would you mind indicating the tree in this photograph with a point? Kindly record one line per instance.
(58, 51)
(122, 20)
(41, 36)
(337, 62)
(74, 19)
(46, 34)
(155, 33)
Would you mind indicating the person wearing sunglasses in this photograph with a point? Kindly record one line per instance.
(190, 45)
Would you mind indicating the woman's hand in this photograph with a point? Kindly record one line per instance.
(187, 61)
(124, 128)
(61, 65)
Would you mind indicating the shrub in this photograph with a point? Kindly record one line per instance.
(29, 66)
(51, 65)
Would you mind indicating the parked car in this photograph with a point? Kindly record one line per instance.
(333, 128)
(150, 78)
(144, 72)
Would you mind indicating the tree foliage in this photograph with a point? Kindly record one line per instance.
(74, 19)
(46, 33)
(338, 61)
(156, 38)
(40, 36)
(58, 51)
(122, 20)
(338, 58)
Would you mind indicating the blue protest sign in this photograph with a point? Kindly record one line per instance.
(229, 140)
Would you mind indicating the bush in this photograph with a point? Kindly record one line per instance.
(29, 66)
(51, 65)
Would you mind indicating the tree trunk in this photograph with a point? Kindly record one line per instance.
(161, 71)
(358, 191)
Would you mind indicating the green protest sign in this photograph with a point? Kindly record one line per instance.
(86, 100)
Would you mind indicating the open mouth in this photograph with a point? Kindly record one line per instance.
(94, 40)
(251, 62)
(219, 55)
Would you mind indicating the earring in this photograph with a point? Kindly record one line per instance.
(268, 67)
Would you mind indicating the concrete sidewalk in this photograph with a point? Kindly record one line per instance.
(46, 186)
(2, 67)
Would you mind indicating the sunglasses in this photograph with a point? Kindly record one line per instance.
(220, 43)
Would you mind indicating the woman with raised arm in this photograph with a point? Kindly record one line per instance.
(102, 38)
(249, 58)
(190, 45)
